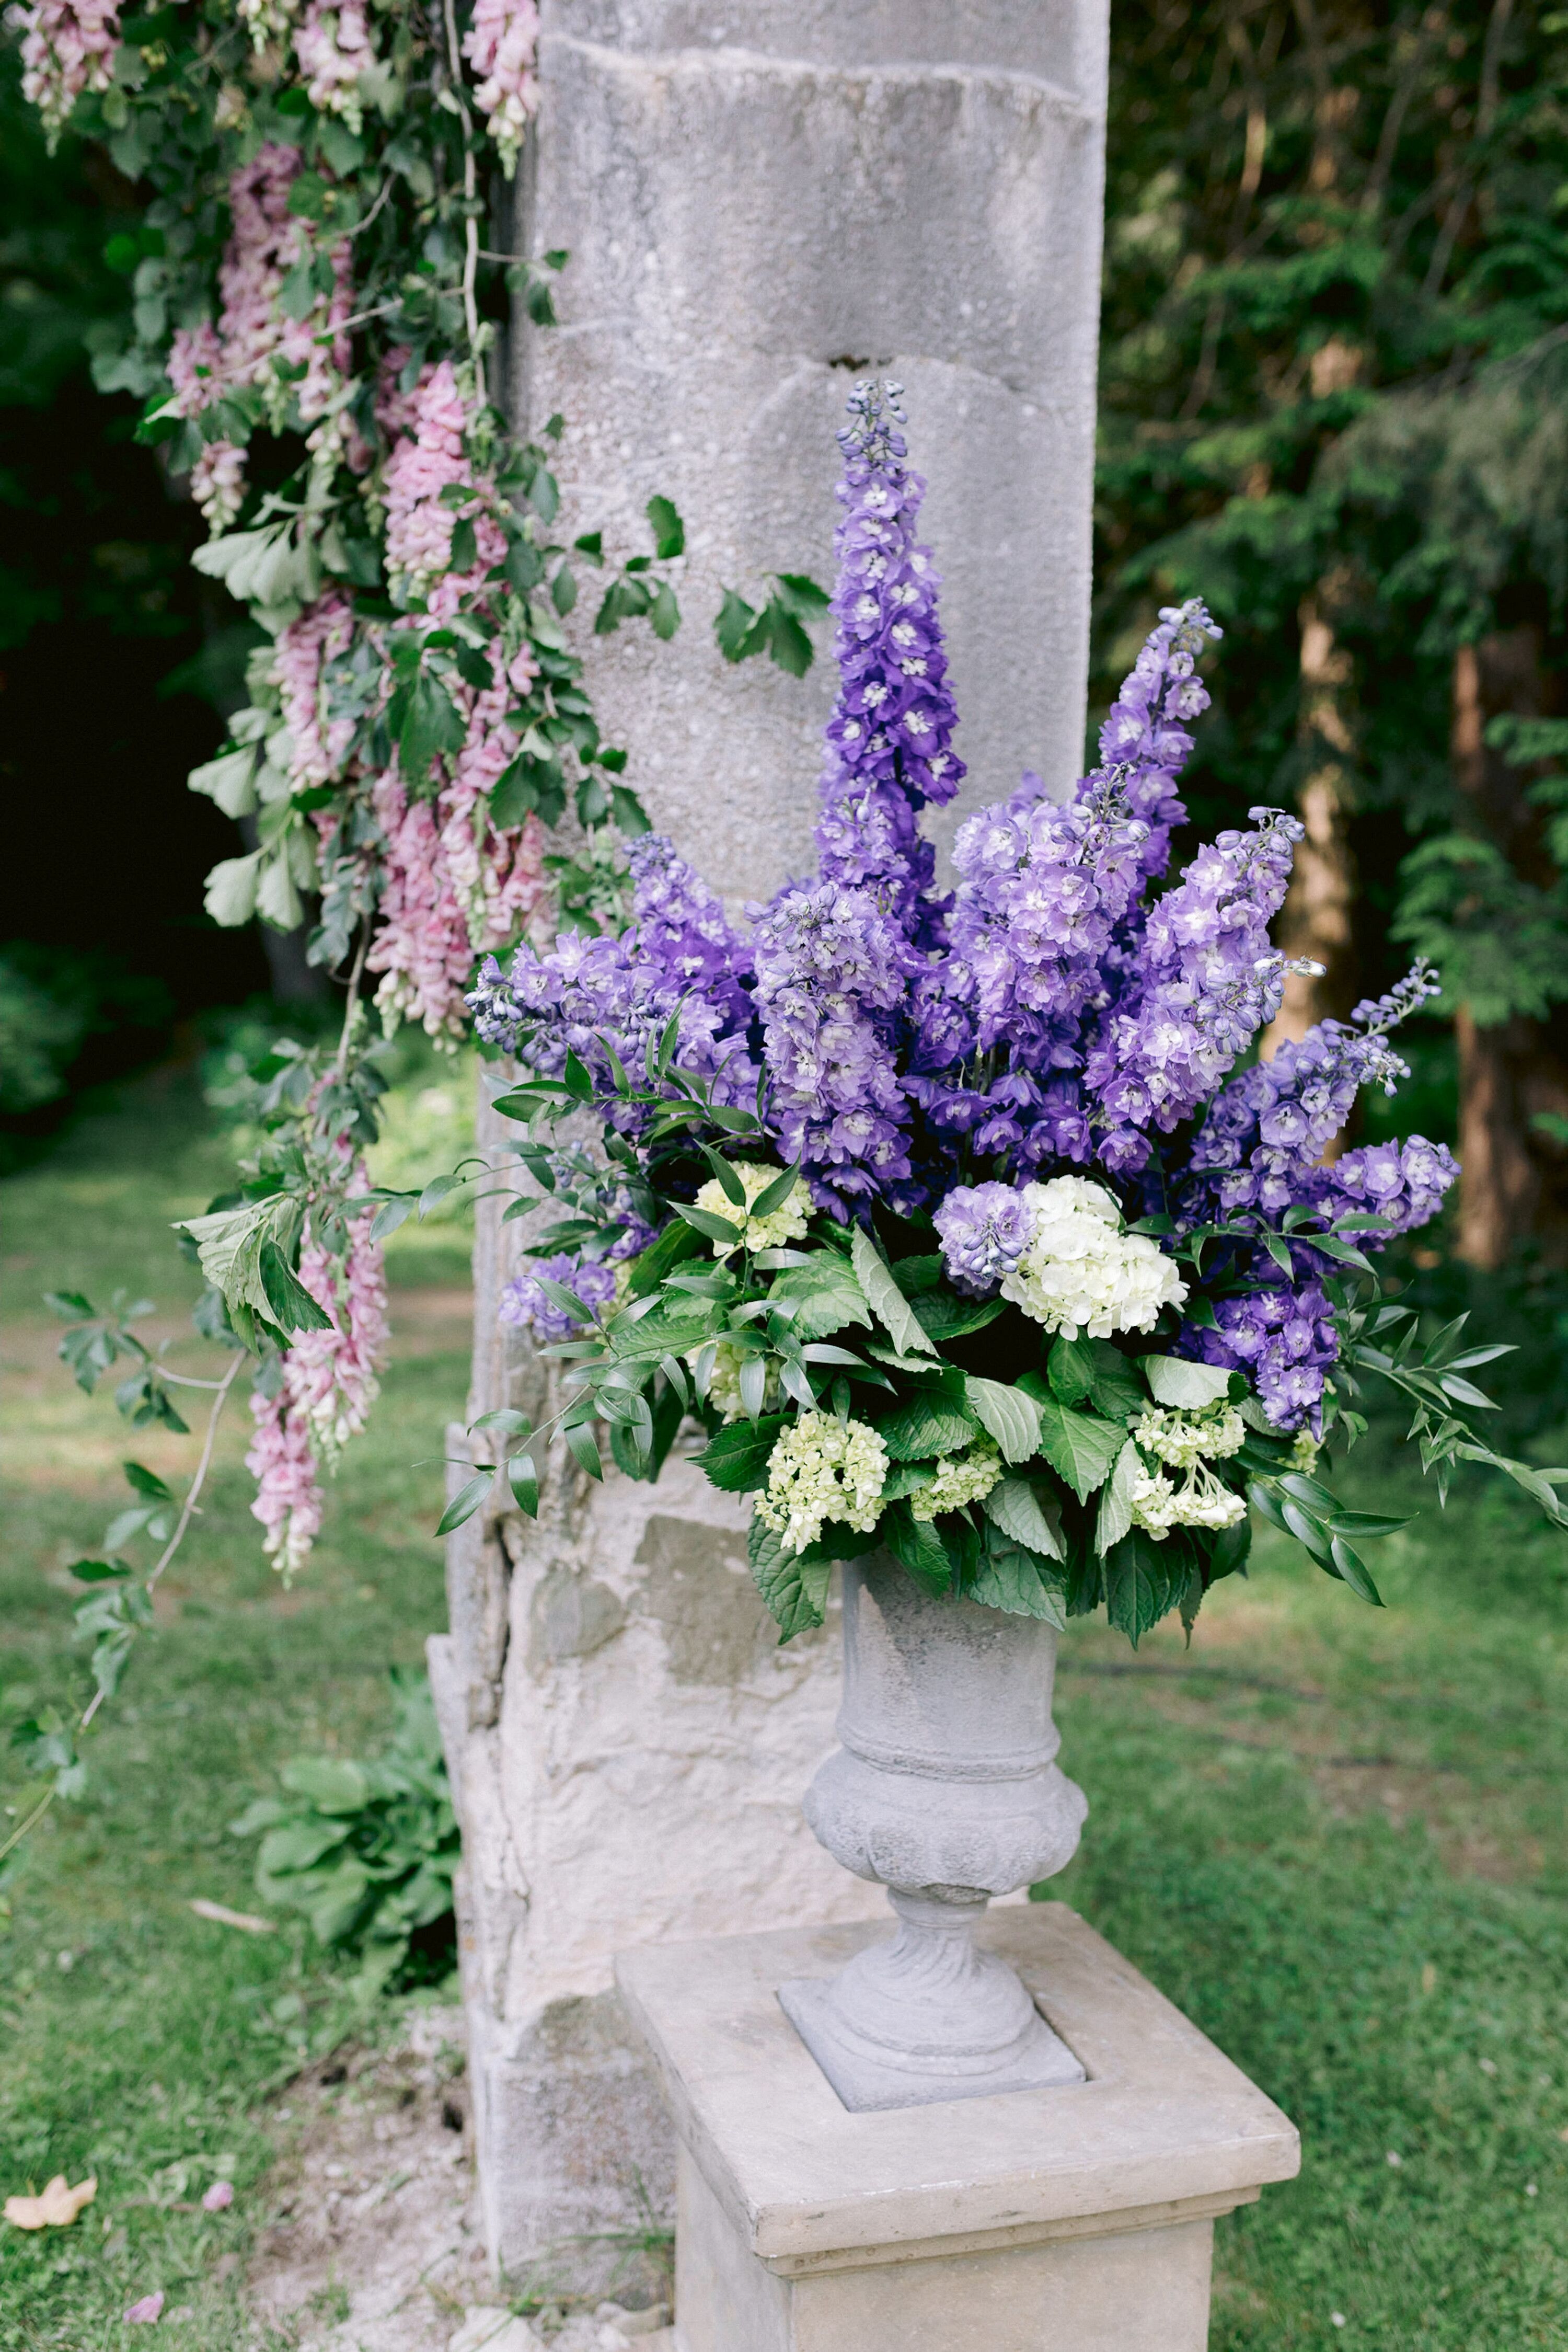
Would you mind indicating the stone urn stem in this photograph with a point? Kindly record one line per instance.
(946, 1787)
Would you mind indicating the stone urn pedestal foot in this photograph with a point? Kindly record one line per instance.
(945, 1787)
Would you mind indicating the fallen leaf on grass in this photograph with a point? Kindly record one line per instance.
(251, 1921)
(144, 2313)
(57, 2209)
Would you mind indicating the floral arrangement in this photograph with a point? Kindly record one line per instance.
(950, 1216)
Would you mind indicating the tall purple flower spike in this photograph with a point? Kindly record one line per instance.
(1145, 737)
(889, 741)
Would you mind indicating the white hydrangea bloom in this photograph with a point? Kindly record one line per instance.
(783, 1224)
(823, 1468)
(1159, 1505)
(1183, 1438)
(1082, 1273)
(960, 1478)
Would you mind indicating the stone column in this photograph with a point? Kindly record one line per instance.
(761, 199)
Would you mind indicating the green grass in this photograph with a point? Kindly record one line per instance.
(1335, 1836)
(140, 2040)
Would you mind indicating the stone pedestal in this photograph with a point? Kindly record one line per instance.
(1077, 2219)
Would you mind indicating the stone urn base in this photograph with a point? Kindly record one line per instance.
(946, 1787)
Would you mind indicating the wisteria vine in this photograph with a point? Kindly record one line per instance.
(317, 291)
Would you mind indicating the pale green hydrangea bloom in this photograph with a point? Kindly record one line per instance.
(960, 1478)
(1303, 1455)
(723, 1382)
(823, 1468)
(1181, 1439)
(787, 1223)
(1159, 1505)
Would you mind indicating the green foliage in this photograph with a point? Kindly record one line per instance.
(53, 1001)
(1332, 370)
(367, 1852)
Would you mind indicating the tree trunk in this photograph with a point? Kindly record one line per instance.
(1513, 1185)
(1316, 922)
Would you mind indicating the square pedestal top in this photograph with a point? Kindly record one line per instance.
(1164, 2120)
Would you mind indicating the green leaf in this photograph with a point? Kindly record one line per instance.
(1007, 1415)
(431, 724)
(1014, 1506)
(1116, 1517)
(147, 1482)
(651, 1265)
(705, 1221)
(1080, 1449)
(829, 1297)
(333, 1784)
(465, 1502)
(70, 1306)
(584, 1446)
(942, 1316)
(1352, 1568)
(733, 626)
(1096, 1371)
(524, 1481)
(1185, 1387)
(918, 1547)
(99, 1572)
(669, 531)
(934, 1421)
(735, 1458)
(885, 1298)
(293, 1308)
(1010, 1578)
(795, 1589)
(1139, 1582)
(773, 1196)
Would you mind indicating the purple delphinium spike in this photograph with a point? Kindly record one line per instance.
(1207, 980)
(1266, 1129)
(889, 741)
(1145, 734)
(833, 970)
(587, 993)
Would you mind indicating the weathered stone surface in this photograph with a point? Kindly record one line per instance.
(1080, 2216)
(761, 201)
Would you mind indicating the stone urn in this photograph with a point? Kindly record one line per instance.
(946, 1789)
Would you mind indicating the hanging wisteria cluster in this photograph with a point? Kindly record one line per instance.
(312, 277)
(1113, 1284)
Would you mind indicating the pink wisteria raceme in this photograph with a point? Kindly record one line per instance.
(324, 1395)
(253, 330)
(319, 741)
(430, 459)
(68, 46)
(501, 45)
(333, 45)
(453, 885)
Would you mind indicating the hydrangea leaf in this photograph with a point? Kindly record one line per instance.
(735, 1458)
(1008, 1415)
(1011, 1578)
(1094, 1371)
(918, 1547)
(1078, 1448)
(934, 1420)
(795, 1589)
(1187, 1387)
(1142, 1579)
(885, 1298)
(1116, 1517)
(828, 1295)
(1015, 1505)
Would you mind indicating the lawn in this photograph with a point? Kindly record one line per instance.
(1334, 1837)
